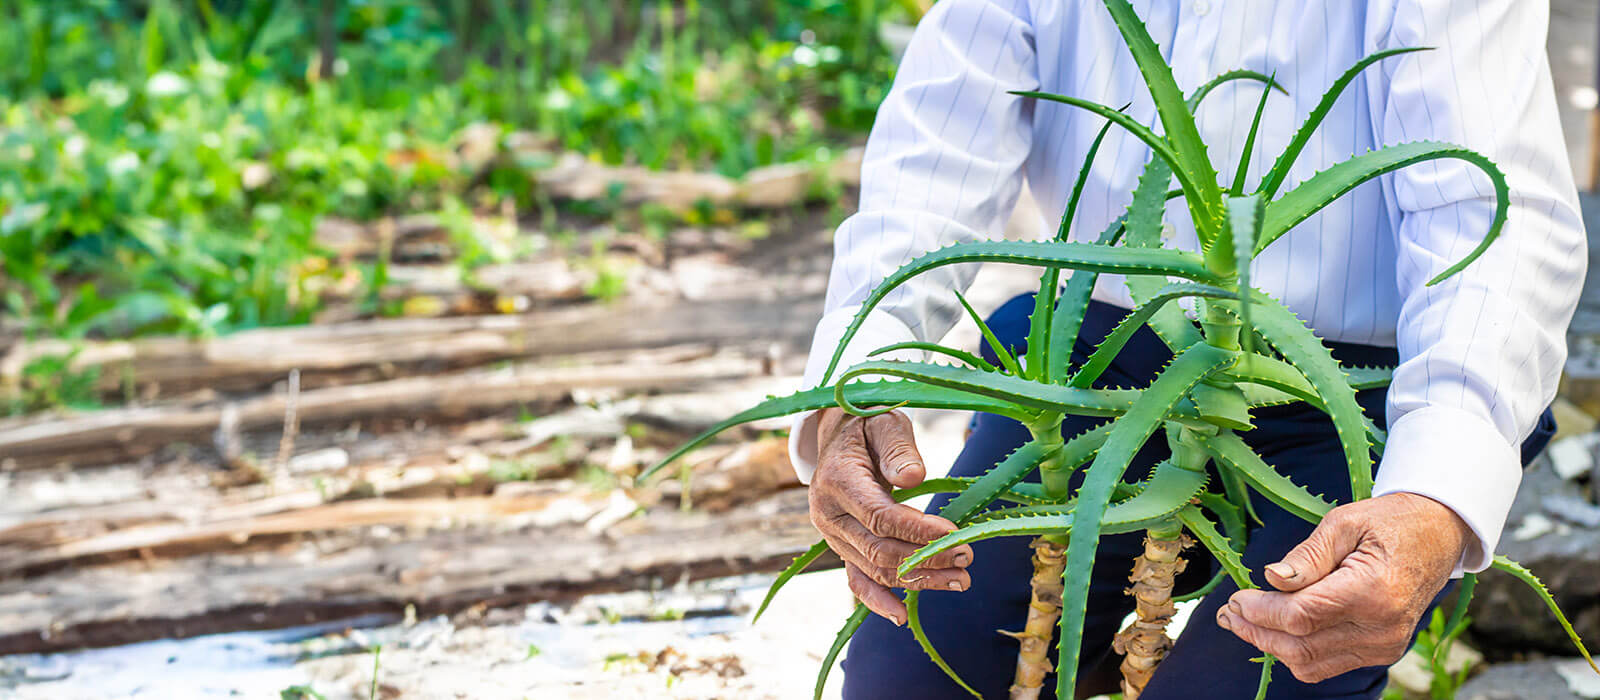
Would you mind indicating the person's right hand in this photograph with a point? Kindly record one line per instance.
(858, 461)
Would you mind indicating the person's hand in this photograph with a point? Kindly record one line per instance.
(1354, 591)
(858, 460)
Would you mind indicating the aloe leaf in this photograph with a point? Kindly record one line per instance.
(1282, 376)
(1020, 494)
(1144, 231)
(1522, 574)
(1203, 591)
(1041, 323)
(858, 393)
(1014, 391)
(1200, 93)
(1234, 454)
(937, 349)
(1200, 189)
(1458, 614)
(914, 621)
(851, 624)
(1266, 661)
(1203, 530)
(1067, 319)
(1136, 319)
(793, 569)
(1129, 434)
(1302, 137)
(1245, 215)
(1249, 147)
(1329, 185)
(1167, 490)
(1077, 256)
(996, 480)
(1007, 360)
(1292, 339)
(1192, 163)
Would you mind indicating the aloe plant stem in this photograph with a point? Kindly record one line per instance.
(1044, 609)
(1144, 643)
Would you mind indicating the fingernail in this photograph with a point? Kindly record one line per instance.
(1224, 621)
(1235, 609)
(962, 560)
(898, 621)
(954, 585)
(1283, 571)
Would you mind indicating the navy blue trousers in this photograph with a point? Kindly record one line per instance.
(884, 661)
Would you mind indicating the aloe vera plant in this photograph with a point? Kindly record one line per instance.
(1247, 351)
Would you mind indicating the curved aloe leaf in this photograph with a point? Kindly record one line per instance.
(793, 569)
(1329, 185)
(1128, 435)
(914, 621)
(1200, 93)
(1077, 256)
(1203, 530)
(1006, 388)
(1067, 319)
(1168, 489)
(1245, 216)
(1195, 187)
(1144, 231)
(1522, 574)
(1020, 494)
(858, 393)
(1234, 454)
(1282, 376)
(851, 624)
(937, 349)
(1302, 137)
(1249, 147)
(1136, 319)
(1192, 163)
(1007, 360)
(996, 481)
(1292, 339)
(1441, 650)
(1041, 322)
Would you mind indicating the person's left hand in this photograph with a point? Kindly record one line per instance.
(1353, 592)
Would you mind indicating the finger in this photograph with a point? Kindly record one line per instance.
(883, 551)
(1335, 538)
(923, 579)
(1301, 613)
(877, 597)
(890, 438)
(868, 503)
(1317, 657)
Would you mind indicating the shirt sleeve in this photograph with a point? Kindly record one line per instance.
(1480, 353)
(943, 164)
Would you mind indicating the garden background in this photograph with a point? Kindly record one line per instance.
(333, 333)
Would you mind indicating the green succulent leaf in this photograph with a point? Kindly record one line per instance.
(1077, 256)
(1234, 454)
(851, 624)
(1292, 339)
(1329, 185)
(1191, 164)
(1195, 520)
(1302, 137)
(1067, 319)
(1010, 390)
(1200, 93)
(1249, 147)
(1521, 573)
(1127, 436)
(914, 621)
(793, 569)
(935, 348)
(857, 394)
(1144, 231)
(1007, 360)
(1136, 319)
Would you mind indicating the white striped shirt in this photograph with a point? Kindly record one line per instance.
(1481, 354)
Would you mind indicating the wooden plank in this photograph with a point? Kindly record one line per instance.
(439, 573)
(386, 348)
(110, 434)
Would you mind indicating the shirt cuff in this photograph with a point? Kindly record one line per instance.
(1461, 461)
(878, 330)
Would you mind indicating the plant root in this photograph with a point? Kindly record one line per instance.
(1144, 643)
(1033, 660)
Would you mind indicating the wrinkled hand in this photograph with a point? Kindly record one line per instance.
(1353, 592)
(858, 461)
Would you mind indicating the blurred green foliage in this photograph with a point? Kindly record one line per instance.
(164, 163)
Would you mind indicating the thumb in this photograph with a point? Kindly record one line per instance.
(1335, 538)
(891, 443)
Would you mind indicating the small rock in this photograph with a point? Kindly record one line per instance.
(1573, 509)
(1574, 456)
(1522, 681)
(1571, 421)
(324, 460)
